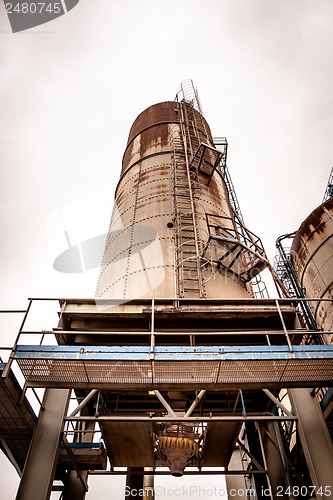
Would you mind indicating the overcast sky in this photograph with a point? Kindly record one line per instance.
(70, 90)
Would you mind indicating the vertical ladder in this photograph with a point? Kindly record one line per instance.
(186, 191)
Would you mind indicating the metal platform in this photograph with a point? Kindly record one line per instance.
(17, 420)
(181, 368)
(87, 456)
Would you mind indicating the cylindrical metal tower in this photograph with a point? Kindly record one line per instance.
(312, 258)
(173, 232)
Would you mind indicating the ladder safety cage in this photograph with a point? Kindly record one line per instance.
(189, 279)
(329, 188)
(285, 270)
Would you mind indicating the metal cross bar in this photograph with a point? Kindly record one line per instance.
(201, 472)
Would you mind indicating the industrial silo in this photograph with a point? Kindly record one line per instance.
(173, 232)
(312, 259)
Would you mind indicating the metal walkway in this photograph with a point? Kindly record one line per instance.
(178, 367)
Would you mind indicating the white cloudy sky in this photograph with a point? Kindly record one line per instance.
(71, 89)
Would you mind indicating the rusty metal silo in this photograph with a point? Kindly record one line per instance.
(186, 374)
(173, 232)
(312, 259)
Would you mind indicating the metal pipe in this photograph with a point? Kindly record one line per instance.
(175, 418)
(309, 318)
(277, 402)
(220, 472)
(71, 455)
(252, 458)
(165, 404)
(148, 483)
(84, 402)
(264, 459)
(14, 311)
(243, 402)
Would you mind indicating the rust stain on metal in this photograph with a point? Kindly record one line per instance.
(313, 224)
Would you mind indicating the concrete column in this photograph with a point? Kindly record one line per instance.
(315, 439)
(41, 462)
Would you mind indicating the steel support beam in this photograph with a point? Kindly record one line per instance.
(202, 472)
(84, 402)
(134, 483)
(194, 404)
(315, 440)
(168, 408)
(276, 464)
(277, 402)
(41, 462)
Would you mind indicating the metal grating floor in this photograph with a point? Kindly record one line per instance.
(188, 367)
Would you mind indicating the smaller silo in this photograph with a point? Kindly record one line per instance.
(312, 258)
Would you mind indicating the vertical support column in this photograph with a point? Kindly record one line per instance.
(134, 483)
(41, 462)
(315, 439)
(236, 484)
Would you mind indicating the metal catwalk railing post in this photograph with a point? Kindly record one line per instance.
(10, 360)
